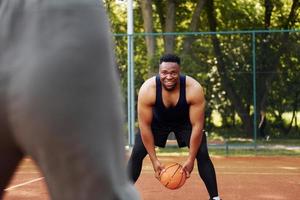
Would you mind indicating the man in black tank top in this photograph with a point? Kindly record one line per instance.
(172, 117)
(171, 102)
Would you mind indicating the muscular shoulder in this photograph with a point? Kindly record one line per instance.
(194, 90)
(147, 92)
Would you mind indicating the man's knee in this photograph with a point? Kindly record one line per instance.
(202, 154)
(139, 152)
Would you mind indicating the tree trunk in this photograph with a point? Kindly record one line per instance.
(226, 83)
(265, 65)
(293, 16)
(268, 13)
(294, 114)
(170, 27)
(146, 7)
(289, 23)
(160, 11)
(194, 26)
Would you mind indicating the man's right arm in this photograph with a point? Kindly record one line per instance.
(146, 100)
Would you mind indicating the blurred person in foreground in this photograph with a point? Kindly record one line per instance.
(59, 99)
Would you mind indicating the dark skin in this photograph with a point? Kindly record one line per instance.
(169, 73)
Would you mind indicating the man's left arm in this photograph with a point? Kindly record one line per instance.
(197, 110)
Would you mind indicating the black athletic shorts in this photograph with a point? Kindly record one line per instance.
(183, 137)
(161, 135)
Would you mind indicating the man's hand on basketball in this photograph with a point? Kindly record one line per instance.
(188, 167)
(158, 168)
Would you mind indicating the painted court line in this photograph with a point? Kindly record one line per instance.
(260, 173)
(247, 173)
(244, 168)
(28, 172)
(22, 184)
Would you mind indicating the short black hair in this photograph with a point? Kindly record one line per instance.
(170, 58)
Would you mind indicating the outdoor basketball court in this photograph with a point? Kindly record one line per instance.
(239, 178)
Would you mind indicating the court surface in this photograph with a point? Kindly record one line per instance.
(239, 178)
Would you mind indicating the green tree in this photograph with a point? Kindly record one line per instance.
(221, 62)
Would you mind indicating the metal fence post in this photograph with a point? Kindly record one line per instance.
(254, 88)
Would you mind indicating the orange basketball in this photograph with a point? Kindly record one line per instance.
(172, 178)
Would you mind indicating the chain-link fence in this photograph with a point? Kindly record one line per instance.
(251, 79)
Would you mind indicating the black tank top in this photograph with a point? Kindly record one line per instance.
(176, 117)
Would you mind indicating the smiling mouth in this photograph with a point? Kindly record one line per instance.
(169, 83)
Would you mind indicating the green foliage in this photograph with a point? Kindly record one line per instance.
(276, 58)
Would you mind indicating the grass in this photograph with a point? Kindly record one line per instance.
(291, 142)
(231, 152)
(253, 152)
(241, 140)
(278, 147)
